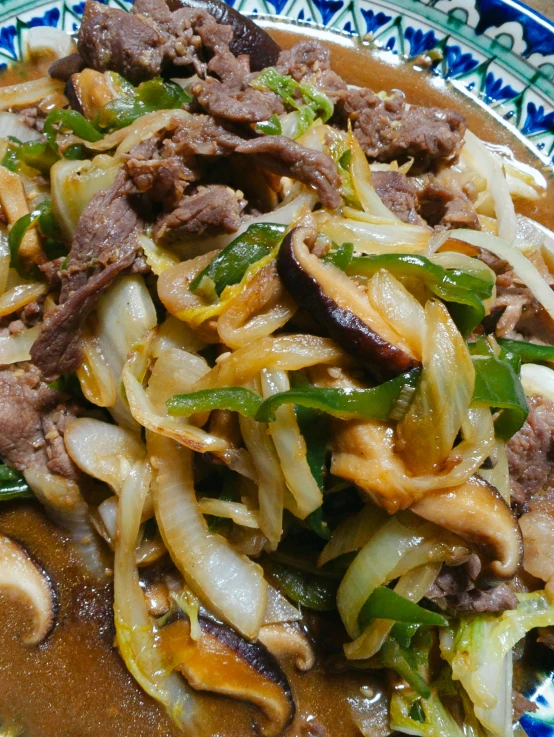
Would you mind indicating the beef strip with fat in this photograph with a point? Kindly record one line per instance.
(105, 243)
(33, 418)
(399, 193)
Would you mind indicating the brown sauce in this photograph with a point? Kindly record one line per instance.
(75, 685)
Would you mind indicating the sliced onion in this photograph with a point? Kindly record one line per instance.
(4, 261)
(67, 508)
(73, 185)
(269, 478)
(41, 40)
(532, 235)
(287, 352)
(525, 270)
(124, 314)
(95, 377)
(291, 447)
(239, 513)
(371, 237)
(29, 93)
(353, 533)
(18, 297)
(175, 372)
(16, 348)
(538, 379)
(173, 333)
(499, 475)
(145, 413)
(487, 165)
(136, 634)
(427, 432)
(15, 206)
(279, 609)
(230, 584)
(399, 308)
(361, 179)
(12, 125)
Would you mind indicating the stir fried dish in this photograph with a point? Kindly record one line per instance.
(275, 355)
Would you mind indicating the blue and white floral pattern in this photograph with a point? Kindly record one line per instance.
(498, 51)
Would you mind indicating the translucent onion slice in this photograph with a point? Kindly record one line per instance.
(269, 477)
(361, 179)
(239, 513)
(124, 314)
(287, 352)
(537, 379)
(373, 238)
(67, 508)
(230, 584)
(15, 206)
(279, 609)
(159, 259)
(525, 270)
(17, 297)
(373, 565)
(144, 411)
(12, 125)
(399, 308)
(95, 377)
(28, 93)
(44, 40)
(16, 348)
(353, 533)
(4, 261)
(291, 447)
(486, 164)
(427, 433)
(412, 586)
(135, 630)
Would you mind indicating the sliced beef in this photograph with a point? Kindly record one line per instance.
(531, 455)
(33, 418)
(285, 157)
(390, 130)
(211, 208)
(112, 39)
(446, 207)
(456, 588)
(105, 243)
(399, 193)
(140, 45)
(310, 62)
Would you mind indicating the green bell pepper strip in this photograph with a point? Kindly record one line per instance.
(309, 590)
(403, 632)
(464, 292)
(35, 154)
(13, 484)
(286, 87)
(340, 256)
(236, 399)
(230, 265)
(155, 94)
(401, 660)
(528, 352)
(271, 127)
(74, 121)
(498, 386)
(384, 603)
(377, 403)
(41, 214)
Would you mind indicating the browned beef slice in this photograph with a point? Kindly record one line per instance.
(112, 39)
(105, 243)
(310, 62)
(531, 455)
(446, 207)
(399, 193)
(32, 422)
(285, 157)
(200, 136)
(388, 130)
(458, 591)
(214, 207)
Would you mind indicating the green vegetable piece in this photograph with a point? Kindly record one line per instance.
(497, 385)
(416, 712)
(74, 121)
(315, 101)
(155, 94)
(377, 403)
(236, 399)
(11, 158)
(528, 352)
(44, 220)
(13, 484)
(463, 292)
(229, 266)
(340, 256)
(405, 664)
(282, 84)
(384, 603)
(309, 590)
(403, 632)
(271, 127)
(37, 155)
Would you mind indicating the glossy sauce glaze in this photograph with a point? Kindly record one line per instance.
(75, 685)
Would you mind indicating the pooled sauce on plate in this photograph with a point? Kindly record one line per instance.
(75, 684)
